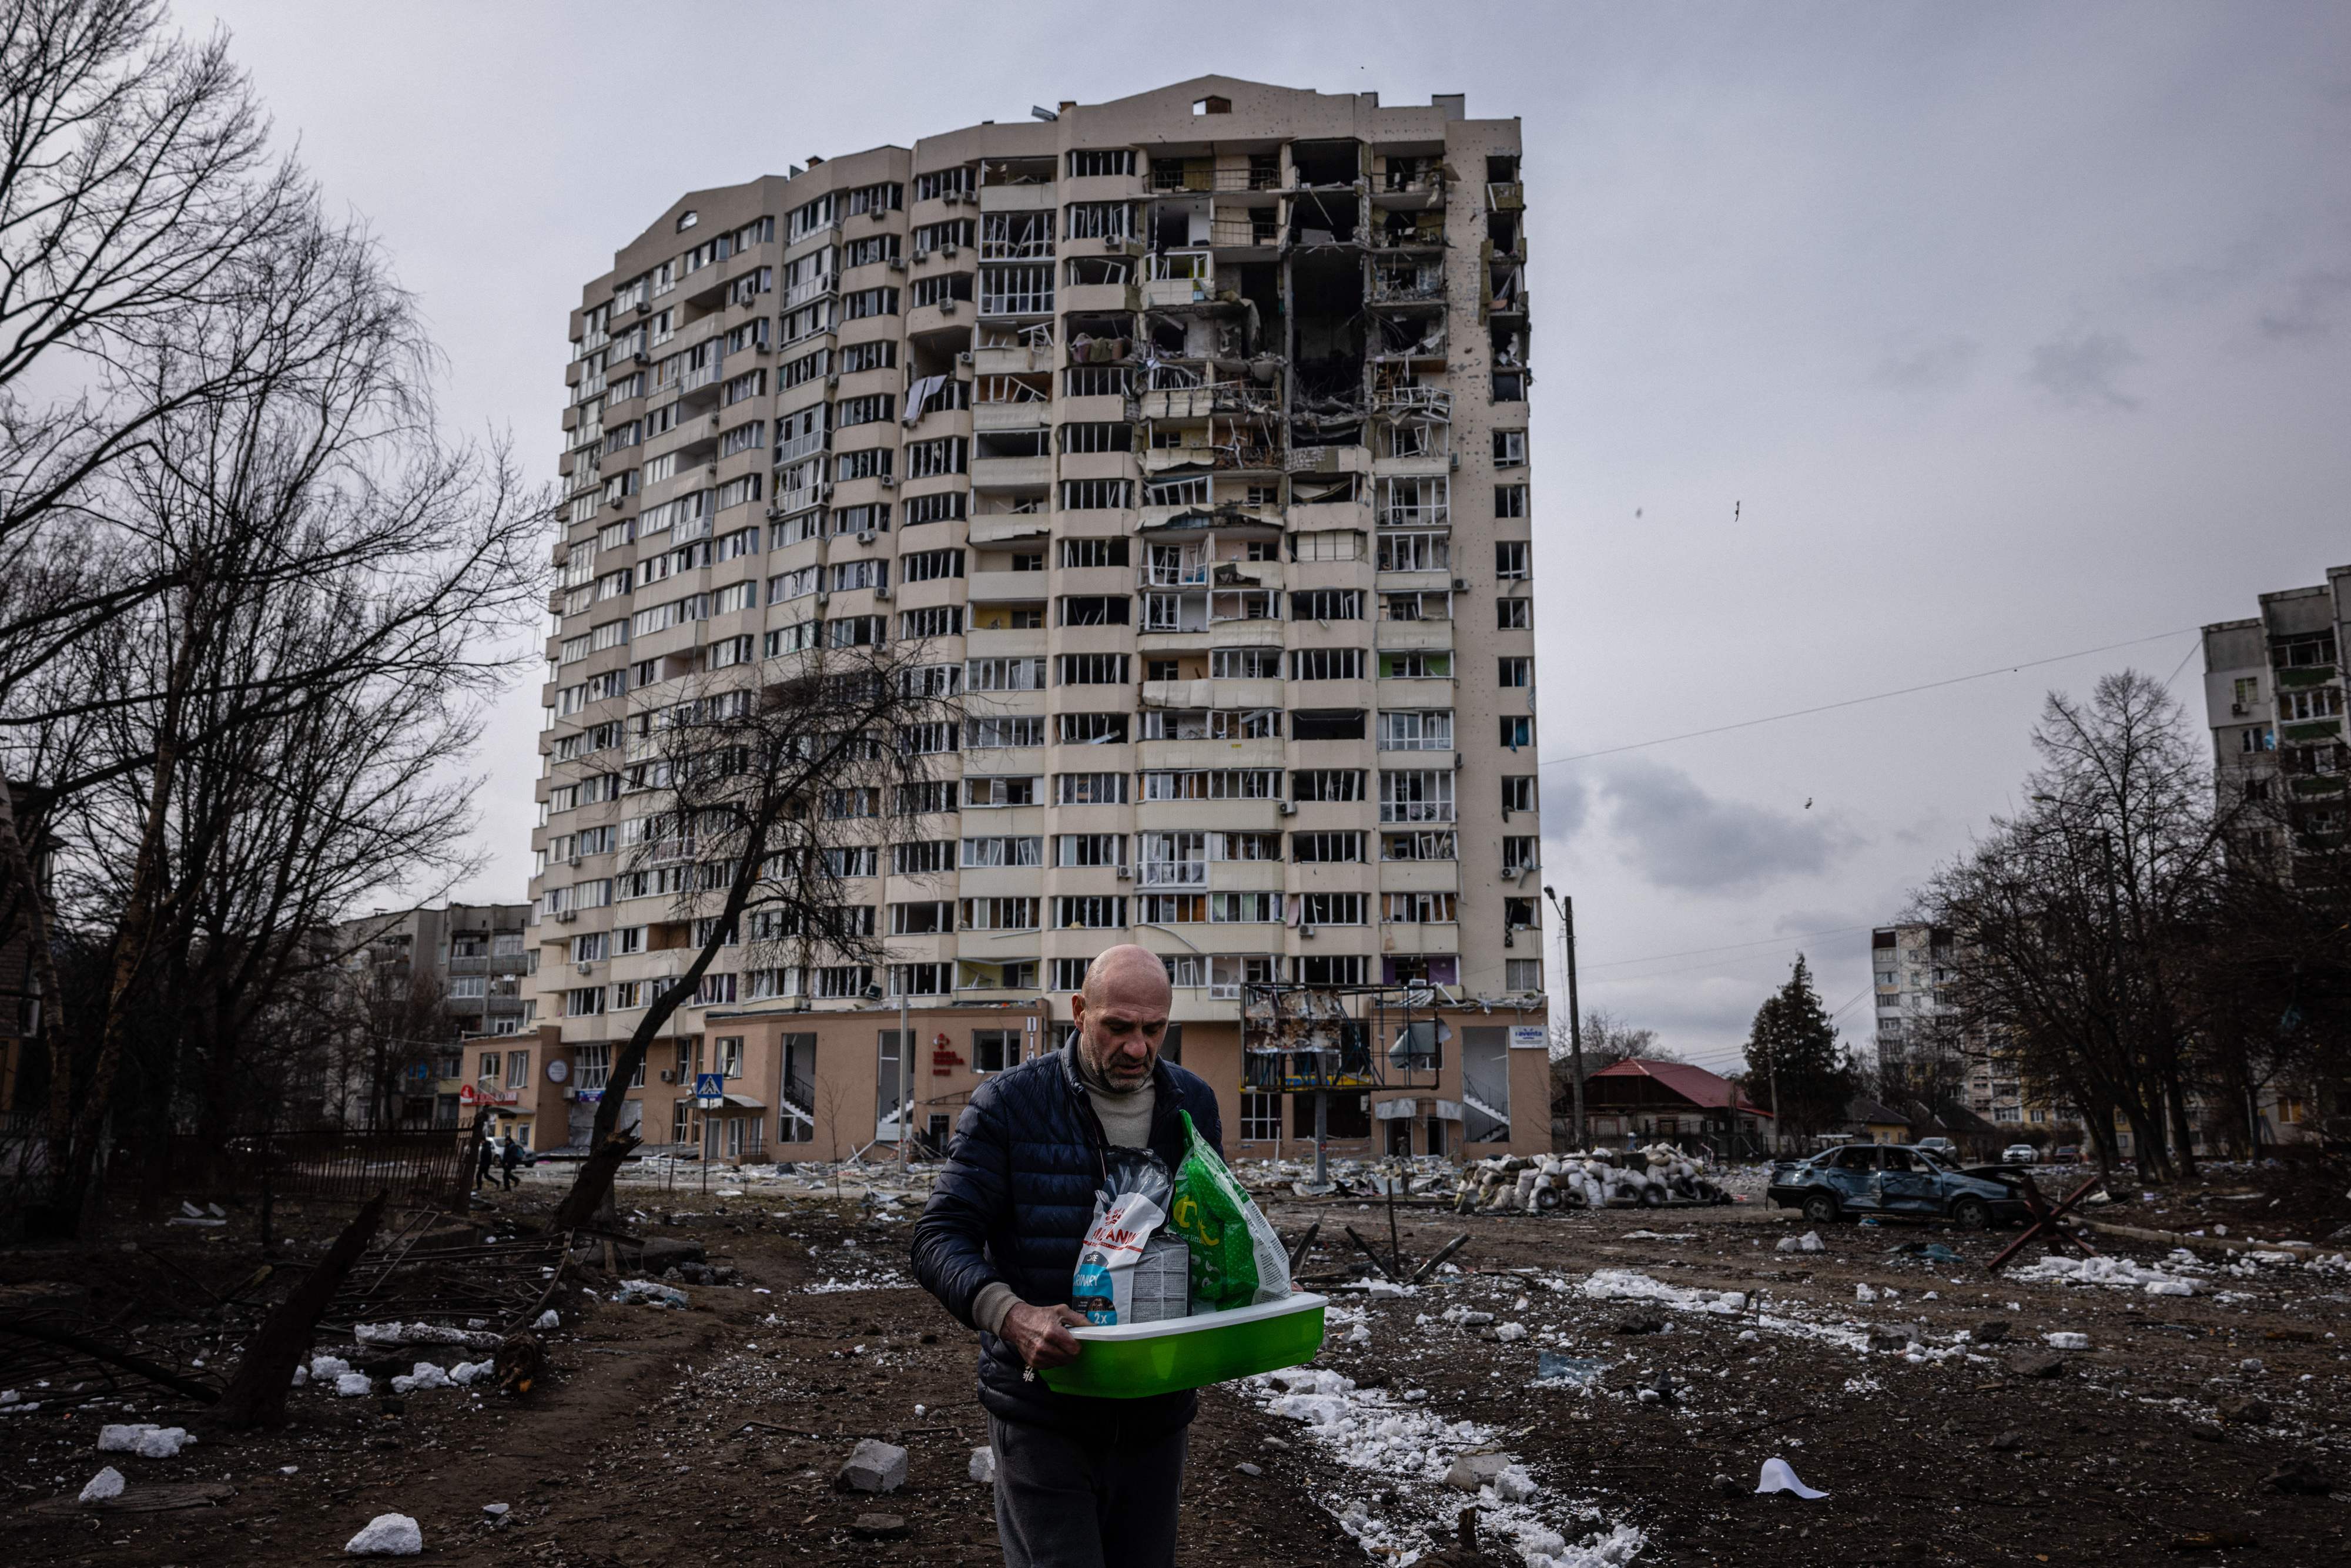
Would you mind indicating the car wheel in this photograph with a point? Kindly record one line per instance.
(1821, 1208)
(1971, 1214)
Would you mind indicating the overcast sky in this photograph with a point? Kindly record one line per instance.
(1874, 345)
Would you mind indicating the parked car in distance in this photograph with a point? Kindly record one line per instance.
(1893, 1179)
(1943, 1146)
(2019, 1155)
(2068, 1156)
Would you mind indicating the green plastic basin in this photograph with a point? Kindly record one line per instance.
(1134, 1361)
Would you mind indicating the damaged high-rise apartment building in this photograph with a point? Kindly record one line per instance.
(1188, 435)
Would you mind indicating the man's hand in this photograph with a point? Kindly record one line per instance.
(1040, 1335)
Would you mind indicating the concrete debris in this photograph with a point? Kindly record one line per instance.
(878, 1527)
(1245, 1468)
(2063, 1339)
(874, 1466)
(1727, 1486)
(1652, 1177)
(2298, 1478)
(982, 1469)
(650, 1293)
(423, 1375)
(354, 1385)
(2037, 1364)
(1810, 1241)
(1778, 1476)
(104, 1487)
(549, 1319)
(2006, 1442)
(387, 1535)
(2244, 1410)
(143, 1438)
(421, 1333)
(1992, 1331)
(1474, 1472)
(497, 1510)
(1510, 1334)
(2106, 1270)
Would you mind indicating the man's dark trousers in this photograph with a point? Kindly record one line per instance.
(1064, 1503)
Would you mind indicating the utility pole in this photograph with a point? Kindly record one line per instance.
(1566, 907)
(906, 1081)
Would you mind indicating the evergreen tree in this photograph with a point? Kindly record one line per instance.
(1793, 1063)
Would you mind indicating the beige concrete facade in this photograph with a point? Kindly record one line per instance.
(1189, 432)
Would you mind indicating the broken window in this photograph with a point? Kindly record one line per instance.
(1094, 163)
(1015, 236)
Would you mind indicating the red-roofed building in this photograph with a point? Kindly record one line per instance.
(1645, 1100)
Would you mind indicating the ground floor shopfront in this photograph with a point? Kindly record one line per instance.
(809, 1085)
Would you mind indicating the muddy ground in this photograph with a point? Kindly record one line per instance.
(663, 1435)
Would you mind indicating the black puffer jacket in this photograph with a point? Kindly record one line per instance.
(1014, 1204)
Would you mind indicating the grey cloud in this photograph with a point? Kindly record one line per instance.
(2308, 312)
(1677, 836)
(1930, 367)
(2079, 369)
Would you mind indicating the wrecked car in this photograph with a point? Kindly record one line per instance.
(1891, 1180)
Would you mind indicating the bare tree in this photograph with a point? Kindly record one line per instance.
(135, 186)
(325, 583)
(2078, 920)
(764, 800)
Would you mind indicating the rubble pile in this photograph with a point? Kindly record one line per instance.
(1651, 1178)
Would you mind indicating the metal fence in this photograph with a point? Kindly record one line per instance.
(329, 1167)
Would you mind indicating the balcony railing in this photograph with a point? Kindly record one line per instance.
(1175, 873)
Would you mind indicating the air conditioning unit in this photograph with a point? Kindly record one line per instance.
(775, 514)
(963, 356)
(2238, 709)
(585, 967)
(833, 380)
(897, 264)
(889, 481)
(645, 306)
(575, 863)
(865, 535)
(1124, 874)
(641, 358)
(1454, 462)
(946, 306)
(824, 491)
(669, 1075)
(949, 249)
(1508, 940)
(876, 214)
(1290, 808)
(1461, 585)
(881, 591)
(566, 916)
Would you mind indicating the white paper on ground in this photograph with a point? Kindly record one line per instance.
(1779, 1477)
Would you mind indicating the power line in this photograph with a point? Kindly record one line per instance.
(1856, 702)
(1732, 946)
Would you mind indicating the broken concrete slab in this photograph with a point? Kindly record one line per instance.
(104, 1487)
(874, 1466)
(983, 1466)
(1474, 1472)
(387, 1535)
(2037, 1364)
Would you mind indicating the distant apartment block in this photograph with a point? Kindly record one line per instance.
(1188, 432)
(419, 984)
(2273, 699)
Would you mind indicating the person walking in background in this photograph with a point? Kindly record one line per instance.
(510, 1159)
(489, 1154)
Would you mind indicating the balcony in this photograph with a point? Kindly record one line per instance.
(1012, 473)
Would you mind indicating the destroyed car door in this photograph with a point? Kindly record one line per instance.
(1853, 1174)
(1907, 1184)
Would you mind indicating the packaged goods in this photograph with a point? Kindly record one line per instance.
(1236, 1258)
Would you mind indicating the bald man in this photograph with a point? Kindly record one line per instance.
(1080, 1482)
